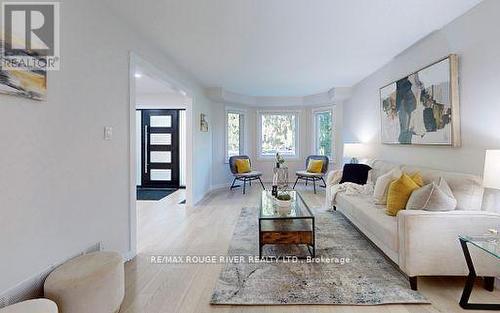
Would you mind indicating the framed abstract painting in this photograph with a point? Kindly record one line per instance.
(24, 82)
(423, 108)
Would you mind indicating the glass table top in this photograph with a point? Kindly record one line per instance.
(269, 209)
(489, 243)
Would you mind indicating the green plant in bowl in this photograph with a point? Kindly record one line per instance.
(284, 197)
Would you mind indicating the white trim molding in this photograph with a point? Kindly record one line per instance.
(329, 97)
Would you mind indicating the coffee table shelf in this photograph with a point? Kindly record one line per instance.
(286, 226)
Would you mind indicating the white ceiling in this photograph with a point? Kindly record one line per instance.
(285, 47)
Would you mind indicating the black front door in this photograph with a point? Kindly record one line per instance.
(160, 148)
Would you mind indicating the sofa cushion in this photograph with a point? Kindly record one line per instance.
(382, 185)
(399, 193)
(370, 217)
(355, 173)
(380, 168)
(467, 189)
(433, 197)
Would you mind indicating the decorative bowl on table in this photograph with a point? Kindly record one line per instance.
(283, 201)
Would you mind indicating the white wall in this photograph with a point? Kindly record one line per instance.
(221, 174)
(63, 188)
(474, 37)
(166, 100)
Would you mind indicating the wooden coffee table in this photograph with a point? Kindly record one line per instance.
(293, 226)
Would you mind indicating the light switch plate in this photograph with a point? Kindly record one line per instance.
(108, 133)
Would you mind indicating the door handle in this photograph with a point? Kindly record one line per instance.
(146, 149)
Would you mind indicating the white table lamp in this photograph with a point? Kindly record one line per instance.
(492, 169)
(355, 151)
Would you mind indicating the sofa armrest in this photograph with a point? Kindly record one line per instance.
(429, 244)
(333, 177)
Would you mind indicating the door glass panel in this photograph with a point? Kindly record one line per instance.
(161, 139)
(161, 157)
(156, 175)
(160, 121)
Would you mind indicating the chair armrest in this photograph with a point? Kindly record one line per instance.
(333, 177)
(429, 245)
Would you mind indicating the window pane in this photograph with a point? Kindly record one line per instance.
(233, 134)
(160, 121)
(161, 139)
(160, 175)
(161, 157)
(278, 134)
(324, 133)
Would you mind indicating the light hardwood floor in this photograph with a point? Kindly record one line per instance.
(167, 228)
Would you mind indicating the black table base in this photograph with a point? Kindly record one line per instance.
(469, 284)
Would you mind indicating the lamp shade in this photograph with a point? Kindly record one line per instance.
(492, 169)
(354, 150)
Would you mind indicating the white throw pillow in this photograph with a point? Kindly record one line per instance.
(433, 197)
(382, 185)
(334, 177)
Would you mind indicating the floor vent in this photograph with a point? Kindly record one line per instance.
(33, 287)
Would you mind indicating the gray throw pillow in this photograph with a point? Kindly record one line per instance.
(433, 197)
(419, 197)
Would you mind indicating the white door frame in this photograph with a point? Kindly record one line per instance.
(152, 71)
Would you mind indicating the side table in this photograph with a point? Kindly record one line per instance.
(282, 177)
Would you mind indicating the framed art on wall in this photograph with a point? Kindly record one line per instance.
(203, 123)
(24, 82)
(423, 107)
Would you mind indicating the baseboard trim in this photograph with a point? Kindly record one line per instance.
(219, 187)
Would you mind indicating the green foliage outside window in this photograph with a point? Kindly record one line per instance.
(233, 134)
(278, 134)
(324, 133)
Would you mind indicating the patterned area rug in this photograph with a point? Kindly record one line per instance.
(367, 278)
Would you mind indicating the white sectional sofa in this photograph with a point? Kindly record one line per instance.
(424, 243)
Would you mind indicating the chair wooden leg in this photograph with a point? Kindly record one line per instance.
(295, 182)
(306, 181)
(244, 185)
(250, 182)
(314, 184)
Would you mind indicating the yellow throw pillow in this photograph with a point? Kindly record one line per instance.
(417, 178)
(315, 166)
(243, 165)
(399, 192)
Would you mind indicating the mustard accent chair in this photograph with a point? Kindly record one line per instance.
(308, 176)
(244, 177)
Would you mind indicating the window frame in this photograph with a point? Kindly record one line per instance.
(243, 130)
(314, 148)
(260, 114)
